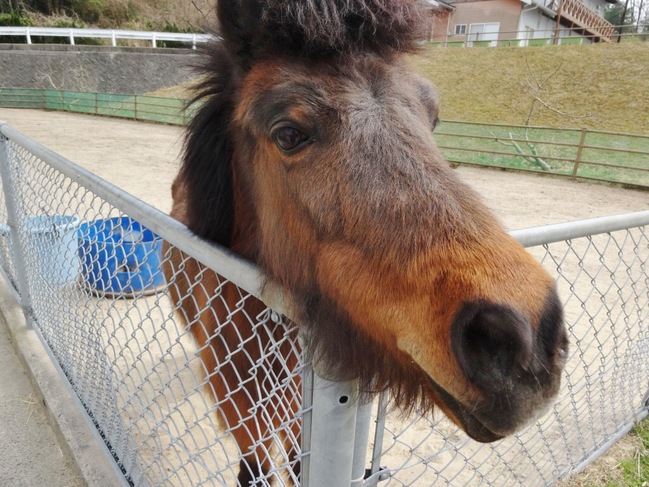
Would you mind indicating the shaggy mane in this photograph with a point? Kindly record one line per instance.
(316, 28)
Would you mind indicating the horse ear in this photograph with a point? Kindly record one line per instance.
(206, 172)
(238, 20)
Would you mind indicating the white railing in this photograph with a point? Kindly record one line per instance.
(114, 35)
(506, 38)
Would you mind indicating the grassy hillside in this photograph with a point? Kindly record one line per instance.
(601, 86)
(172, 15)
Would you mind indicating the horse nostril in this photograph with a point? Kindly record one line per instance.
(552, 334)
(491, 342)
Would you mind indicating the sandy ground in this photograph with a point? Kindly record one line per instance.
(143, 159)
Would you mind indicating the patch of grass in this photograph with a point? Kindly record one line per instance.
(597, 86)
(636, 469)
(193, 15)
(625, 464)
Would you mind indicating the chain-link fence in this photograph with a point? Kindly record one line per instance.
(86, 259)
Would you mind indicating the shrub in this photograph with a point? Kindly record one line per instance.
(89, 10)
(173, 27)
(14, 19)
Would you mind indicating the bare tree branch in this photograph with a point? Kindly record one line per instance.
(532, 159)
(556, 110)
(199, 9)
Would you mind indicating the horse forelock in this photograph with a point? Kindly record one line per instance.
(254, 29)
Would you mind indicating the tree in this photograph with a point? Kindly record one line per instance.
(614, 15)
(8, 6)
(46, 7)
(537, 89)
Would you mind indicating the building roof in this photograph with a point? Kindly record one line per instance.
(439, 5)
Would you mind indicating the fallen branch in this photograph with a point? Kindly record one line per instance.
(533, 159)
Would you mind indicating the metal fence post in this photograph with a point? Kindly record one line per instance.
(13, 217)
(376, 473)
(332, 430)
(580, 149)
(361, 440)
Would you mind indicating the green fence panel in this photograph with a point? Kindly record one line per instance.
(54, 100)
(505, 146)
(113, 105)
(509, 43)
(538, 42)
(79, 102)
(17, 98)
(164, 110)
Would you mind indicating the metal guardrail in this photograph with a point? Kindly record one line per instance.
(562, 36)
(138, 373)
(113, 35)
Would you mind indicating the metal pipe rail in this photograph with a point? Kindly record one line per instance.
(547, 234)
(505, 39)
(113, 35)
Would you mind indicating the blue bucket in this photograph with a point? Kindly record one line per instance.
(120, 256)
(52, 246)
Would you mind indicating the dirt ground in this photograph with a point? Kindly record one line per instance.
(143, 159)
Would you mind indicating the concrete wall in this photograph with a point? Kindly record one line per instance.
(93, 69)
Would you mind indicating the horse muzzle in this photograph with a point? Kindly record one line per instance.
(512, 369)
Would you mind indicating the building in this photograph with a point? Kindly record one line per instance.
(521, 22)
(441, 12)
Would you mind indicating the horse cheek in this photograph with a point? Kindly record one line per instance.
(403, 320)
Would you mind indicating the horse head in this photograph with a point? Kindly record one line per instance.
(313, 155)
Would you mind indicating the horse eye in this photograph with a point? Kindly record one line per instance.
(289, 139)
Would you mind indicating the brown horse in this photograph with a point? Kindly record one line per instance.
(312, 155)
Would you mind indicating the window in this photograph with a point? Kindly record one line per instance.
(484, 34)
(460, 29)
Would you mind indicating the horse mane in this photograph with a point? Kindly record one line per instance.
(206, 167)
(256, 29)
